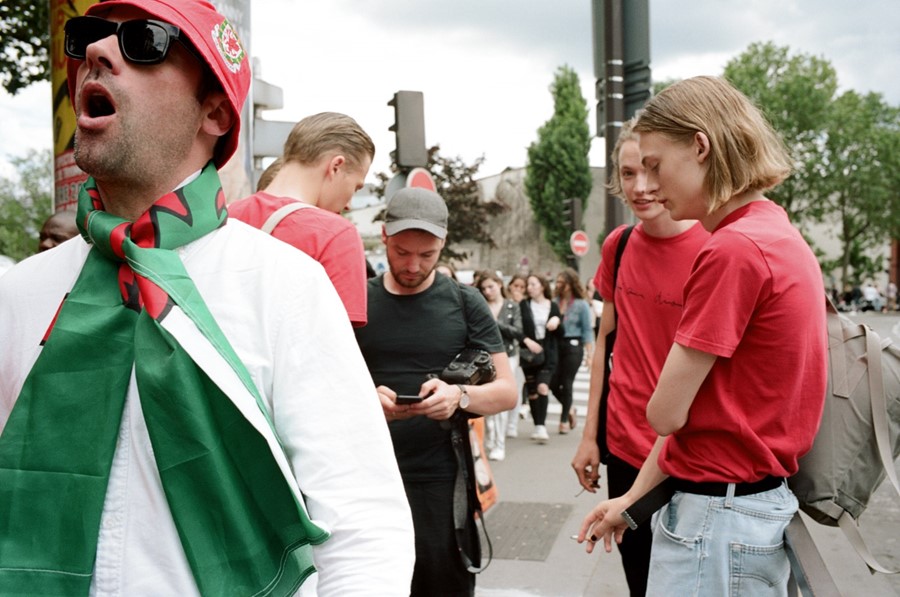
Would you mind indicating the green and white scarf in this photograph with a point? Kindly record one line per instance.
(240, 519)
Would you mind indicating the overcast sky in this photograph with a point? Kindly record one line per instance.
(485, 66)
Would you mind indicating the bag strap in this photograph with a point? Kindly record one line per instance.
(279, 214)
(465, 494)
(620, 248)
(608, 349)
(880, 417)
(851, 532)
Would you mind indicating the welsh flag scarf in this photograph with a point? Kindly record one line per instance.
(239, 517)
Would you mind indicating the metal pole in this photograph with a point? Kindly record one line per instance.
(615, 98)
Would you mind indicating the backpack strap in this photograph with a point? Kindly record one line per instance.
(608, 349)
(279, 214)
(620, 248)
(851, 532)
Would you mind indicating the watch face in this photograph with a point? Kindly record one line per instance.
(463, 398)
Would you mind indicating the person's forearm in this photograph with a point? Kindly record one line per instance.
(650, 474)
(498, 395)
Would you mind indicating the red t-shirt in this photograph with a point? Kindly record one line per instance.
(754, 299)
(330, 239)
(648, 308)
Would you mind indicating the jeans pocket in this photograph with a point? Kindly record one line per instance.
(758, 571)
(682, 521)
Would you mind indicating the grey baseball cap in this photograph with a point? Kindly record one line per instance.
(416, 209)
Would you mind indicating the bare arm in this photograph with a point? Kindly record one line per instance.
(681, 377)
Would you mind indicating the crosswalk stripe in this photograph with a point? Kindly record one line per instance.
(579, 394)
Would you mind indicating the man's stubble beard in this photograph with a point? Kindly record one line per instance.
(411, 285)
(140, 153)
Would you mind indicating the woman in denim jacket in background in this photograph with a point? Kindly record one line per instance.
(576, 342)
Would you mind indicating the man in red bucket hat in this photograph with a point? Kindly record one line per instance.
(168, 385)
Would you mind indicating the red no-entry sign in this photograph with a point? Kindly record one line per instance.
(579, 243)
(420, 178)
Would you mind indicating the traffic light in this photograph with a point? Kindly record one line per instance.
(571, 213)
(409, 128)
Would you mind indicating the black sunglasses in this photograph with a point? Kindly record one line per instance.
(142, 41)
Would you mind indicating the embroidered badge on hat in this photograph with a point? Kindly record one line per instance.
(229, 45)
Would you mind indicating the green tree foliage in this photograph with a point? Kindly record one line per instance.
(455, 181)
(558, 167)
(846, 150)
(795, 93)
(858, 187)
(24, 43)
(25, 202)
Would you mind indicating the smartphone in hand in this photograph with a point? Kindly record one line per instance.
(408, 399)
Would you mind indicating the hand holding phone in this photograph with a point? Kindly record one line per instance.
(408, 399)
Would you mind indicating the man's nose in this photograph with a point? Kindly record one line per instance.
(103, 51)
(640, 183)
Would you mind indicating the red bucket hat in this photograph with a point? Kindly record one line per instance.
(215, 39)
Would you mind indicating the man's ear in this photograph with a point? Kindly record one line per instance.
(335, 163)
(217, 115)
(383, 235)
(701, 146)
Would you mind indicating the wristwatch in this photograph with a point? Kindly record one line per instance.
(463, 396)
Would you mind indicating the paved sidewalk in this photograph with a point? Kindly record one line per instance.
(540, 476)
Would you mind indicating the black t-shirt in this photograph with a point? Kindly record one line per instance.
(408, 338)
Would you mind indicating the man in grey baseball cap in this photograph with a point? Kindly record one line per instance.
(418, 322)
(416, 209)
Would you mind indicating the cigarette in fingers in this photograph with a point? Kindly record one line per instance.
(591, 539)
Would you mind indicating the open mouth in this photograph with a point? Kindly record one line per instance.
(96, 102)
(99, 105)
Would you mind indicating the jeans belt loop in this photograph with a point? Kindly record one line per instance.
(729, 495)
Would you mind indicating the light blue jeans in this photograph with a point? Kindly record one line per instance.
(722, 546)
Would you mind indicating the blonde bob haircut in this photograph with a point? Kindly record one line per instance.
(746, 154)
(615, 178)
(328, 134)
